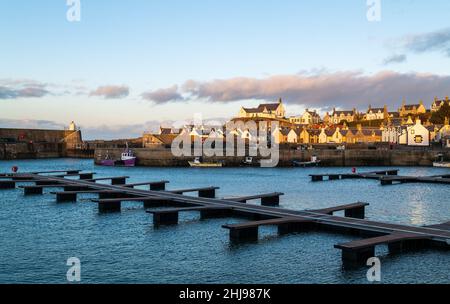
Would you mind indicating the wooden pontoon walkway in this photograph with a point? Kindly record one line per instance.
(388, 177)
(398, 237)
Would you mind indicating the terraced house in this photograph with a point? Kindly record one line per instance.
(411, 109)
(268, 110)
(338, 116)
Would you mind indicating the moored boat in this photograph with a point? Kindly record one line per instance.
(127, 159)
(198, 163)
(312, 163)
(440, 163)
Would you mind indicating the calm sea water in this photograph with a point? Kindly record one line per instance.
(38, 236)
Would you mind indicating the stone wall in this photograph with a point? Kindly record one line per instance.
(32, 144)
(161, 156)
(36, 135)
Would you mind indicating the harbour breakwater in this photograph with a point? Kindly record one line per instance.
(13, 151)
(163, 157)
(36, 144)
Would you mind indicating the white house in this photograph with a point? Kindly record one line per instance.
(418, 135)
(391, 134)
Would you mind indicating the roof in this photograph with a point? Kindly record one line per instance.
(411, 107)
(440, 102)
(330, 132)
(165, 131)
(313, 113)
(394, 114)
(165, 139)
(370, 132)
(343, 112)
(313, 131)
(375, 110)
(285, 131)
(269, 106)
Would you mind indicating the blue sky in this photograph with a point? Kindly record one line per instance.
(233, 50)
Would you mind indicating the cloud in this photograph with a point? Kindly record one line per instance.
(163, 95)
(395, 59)
(30, 124)
(437, 41)
(22, 88)
(323, 90)
(111, 92)
(89, 133)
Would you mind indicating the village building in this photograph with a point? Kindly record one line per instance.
(376, 113)
(412, 109)
(308, 118)
(338, 116)
(390, 134)
(418, 135)
(280, 135)
(437, 104)
(309, 136)
(326, 136)
(269, 110)
(444, 131)
(293, 136)
(150, 140)
(415, 134)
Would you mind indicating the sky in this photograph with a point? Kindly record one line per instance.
(128, 66)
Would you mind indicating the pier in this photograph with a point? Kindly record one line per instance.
(397, 237)
(388, 177)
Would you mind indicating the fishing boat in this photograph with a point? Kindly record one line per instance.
(440, 163)
(248, 161)
(314, 162)
(127, 159)
(198, 163)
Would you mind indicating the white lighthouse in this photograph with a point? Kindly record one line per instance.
(72, 126)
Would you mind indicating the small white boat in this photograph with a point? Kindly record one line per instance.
(197, 163)
(313, 163)
(441, 163)
(248, 161)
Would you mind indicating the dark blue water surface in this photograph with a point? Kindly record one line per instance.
(38, 235)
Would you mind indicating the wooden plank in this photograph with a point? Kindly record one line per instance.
(106, 178)
(271, 222)
(331, 210)
(386, 239)
(188, 209)
(146, 183)
(129, 199)
(253, 197)
(180, 191)
(57, 171)
(73, 174)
